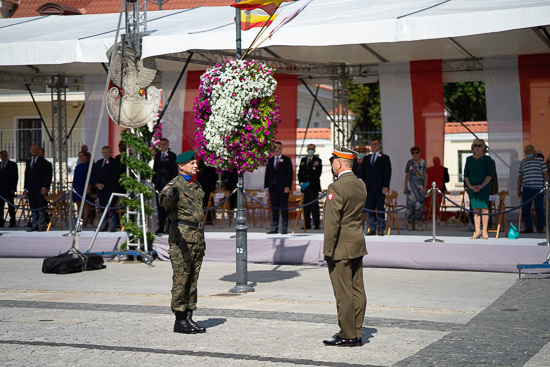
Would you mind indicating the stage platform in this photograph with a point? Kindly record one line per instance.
(405, 250)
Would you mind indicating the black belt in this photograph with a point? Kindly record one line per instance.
(189, 224)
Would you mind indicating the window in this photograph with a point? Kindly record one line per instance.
(29, 132)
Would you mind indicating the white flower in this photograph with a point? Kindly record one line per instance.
(232, 87)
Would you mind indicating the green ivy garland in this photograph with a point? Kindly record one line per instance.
(139, 144)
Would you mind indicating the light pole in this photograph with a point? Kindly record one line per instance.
(241, 228)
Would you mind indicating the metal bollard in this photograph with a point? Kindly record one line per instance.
(434, 196)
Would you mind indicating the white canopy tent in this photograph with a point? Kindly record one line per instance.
(357, 32)
(466, 35)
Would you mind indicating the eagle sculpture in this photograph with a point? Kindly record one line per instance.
(139, 102)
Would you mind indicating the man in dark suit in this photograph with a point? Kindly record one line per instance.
(166, 169)
(38, 178)
(105, 179)
(278, 181)
(377, 176)
(8, 186)
(208, 178)
(121, 166)
(309, 177)
(344, 248)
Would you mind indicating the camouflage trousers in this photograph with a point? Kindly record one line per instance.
(186, 259)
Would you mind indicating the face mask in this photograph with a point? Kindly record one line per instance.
(529, 156)
(361, 155)
(310, 152)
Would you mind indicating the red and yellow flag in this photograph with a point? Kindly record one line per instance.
(257, 13)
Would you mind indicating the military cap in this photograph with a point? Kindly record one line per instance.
(343, 153)
(186, 156)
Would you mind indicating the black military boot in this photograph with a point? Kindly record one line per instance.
(182, 324)
(196, 327)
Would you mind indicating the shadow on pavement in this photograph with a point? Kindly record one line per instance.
(263, 276)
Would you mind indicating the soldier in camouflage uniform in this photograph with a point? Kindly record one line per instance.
(182, 198)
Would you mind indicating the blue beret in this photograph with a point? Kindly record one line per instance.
(186, 157)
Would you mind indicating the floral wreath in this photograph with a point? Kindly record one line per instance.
(237, 115)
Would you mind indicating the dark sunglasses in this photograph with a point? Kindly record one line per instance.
(415, 152)
(478, 145)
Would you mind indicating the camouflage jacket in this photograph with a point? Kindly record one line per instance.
(184, 202)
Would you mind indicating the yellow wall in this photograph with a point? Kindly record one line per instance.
(17, 106)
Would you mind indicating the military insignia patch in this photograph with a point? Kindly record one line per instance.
(330, 196)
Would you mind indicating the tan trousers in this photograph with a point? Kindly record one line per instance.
(349, 291)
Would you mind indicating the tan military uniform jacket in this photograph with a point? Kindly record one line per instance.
(343, 218)
(184, 202)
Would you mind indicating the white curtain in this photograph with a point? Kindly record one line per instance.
(94, 86)
(504, 120)
(397, 119)
(172, 122)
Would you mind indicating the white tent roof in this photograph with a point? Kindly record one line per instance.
(358, 32)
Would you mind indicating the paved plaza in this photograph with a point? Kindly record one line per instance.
(120, 316)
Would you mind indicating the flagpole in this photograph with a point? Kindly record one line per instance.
(242, 285)
(238, 51)
(258, 45)
(264, 27)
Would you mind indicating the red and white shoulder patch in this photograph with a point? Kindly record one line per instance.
(330, 196)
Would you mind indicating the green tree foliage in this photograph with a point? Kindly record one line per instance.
(139, 144)
(364, 101)
(466, 101)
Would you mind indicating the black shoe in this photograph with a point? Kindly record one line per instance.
(43, 229)
(33, 229)
(359, 341)
(193, 324)
(526, 231)
(307, 227)
(159, 231)
(284, 231)
(182, 325)
(340, 342)
(12, 225)
(317, 226)
(380, 233)
(371, 233)
(103, 229)
(273, 231)
(112, 229)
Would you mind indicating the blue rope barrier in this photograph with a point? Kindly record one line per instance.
(287, 209)
(97, 205)
(221, 202)
(490, 214)
(52, 204)
(400, 209)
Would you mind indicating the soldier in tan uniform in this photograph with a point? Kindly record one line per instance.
(344, 248)
(182, 198)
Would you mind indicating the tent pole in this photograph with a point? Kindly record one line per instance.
(308, 121)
